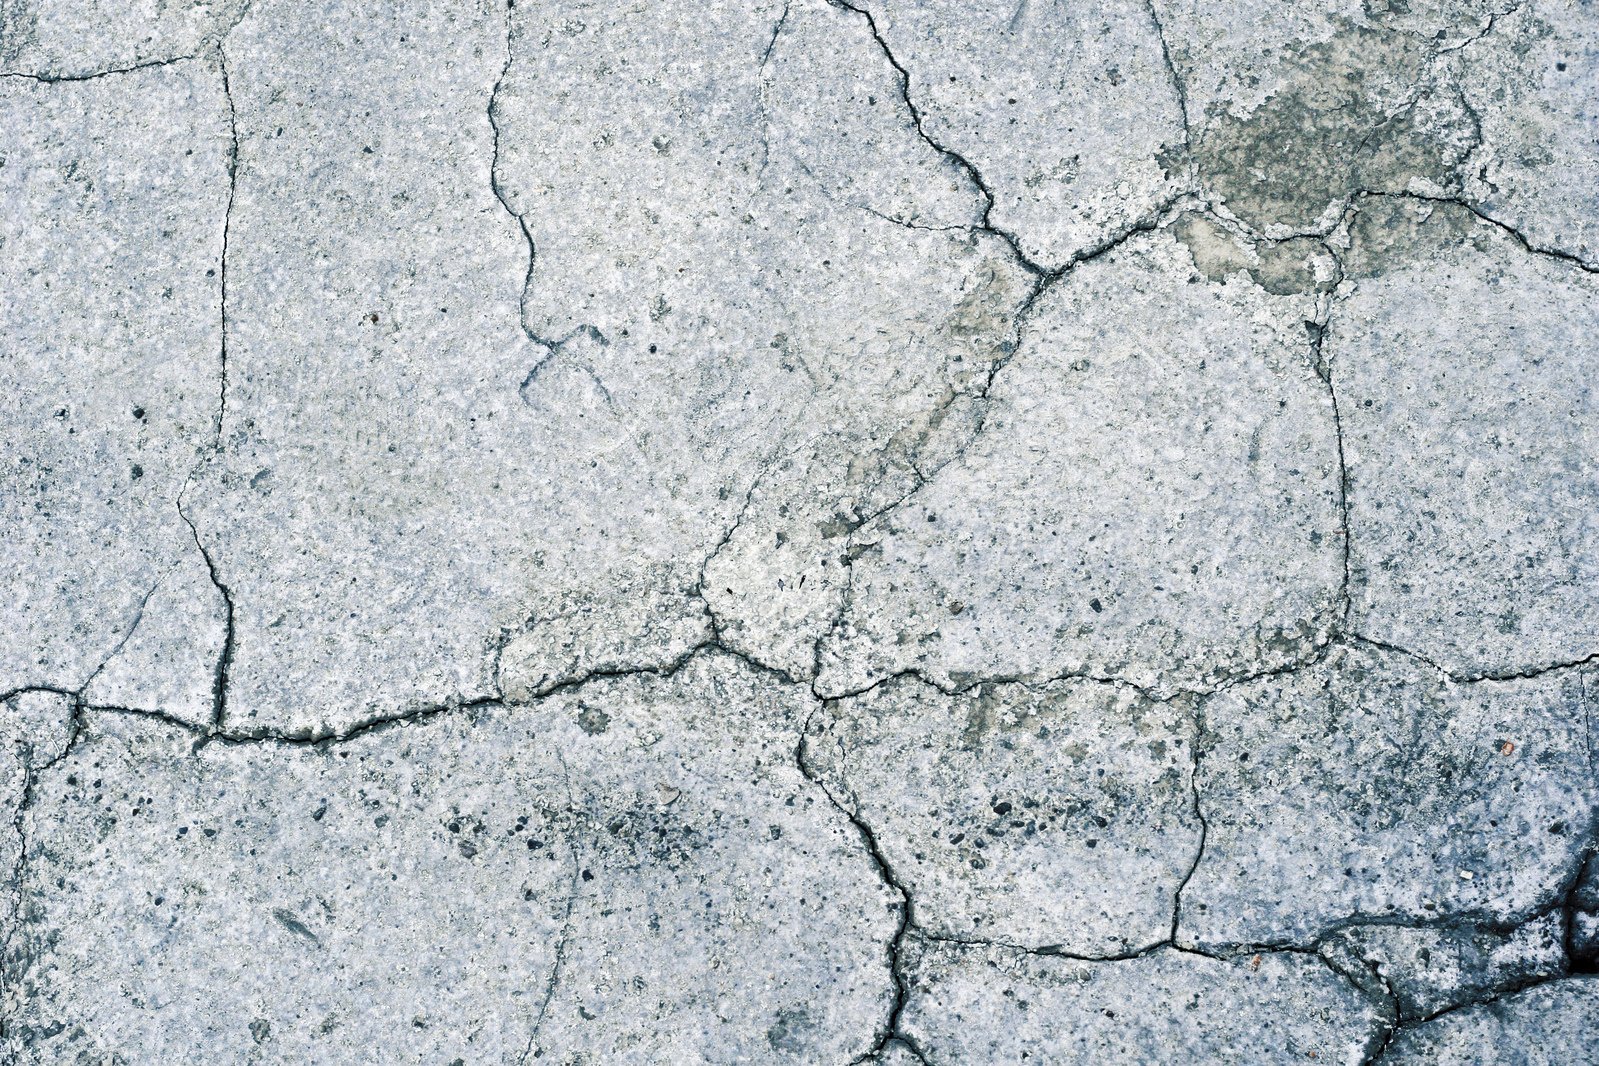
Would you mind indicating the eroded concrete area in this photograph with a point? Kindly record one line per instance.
(812, 531)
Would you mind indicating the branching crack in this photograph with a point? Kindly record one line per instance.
(224, 663)
(905, 922)
(986, 223)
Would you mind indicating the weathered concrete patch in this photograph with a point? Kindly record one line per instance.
(114, 191)
(1462, 366)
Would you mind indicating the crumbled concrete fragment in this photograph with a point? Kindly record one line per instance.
(613, 858)
(994, 1005)
(1431, 969)
(777, 584)
(1152, 498)
(1059, 817)
(788, 152)
(401, 529)
(1461, 364)
(161, 878)
(1550, 1025)
(66, 39)
(1533, 83)
(113, 194)
(171, 656)
(813, 357)
(1068, 112)
(1371, 786)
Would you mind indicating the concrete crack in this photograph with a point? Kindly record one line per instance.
(1482, 213)
(986, 223)
(67, 79)
(227, 225)
(127, 632)
(1462, 677)
(1324, 370)
(1178, 87)
(219, 680)
(31, 774)
(1197, 747)
(905, 921)
(559, 962)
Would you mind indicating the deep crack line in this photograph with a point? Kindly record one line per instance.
(1482, 213)
(551, 346)
(904, 924)
(1178, 87)
(1468, 678)
(224, 664)
(95, 75)
(1323, 368)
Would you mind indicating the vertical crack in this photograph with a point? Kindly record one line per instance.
(224, 664)
(1178, 88)
(1204, 833)
(1319, 361)
(532, 1049)
(227, 226)
(505, 201)
(890, 1031)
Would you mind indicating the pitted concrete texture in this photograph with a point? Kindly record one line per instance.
(800, 531)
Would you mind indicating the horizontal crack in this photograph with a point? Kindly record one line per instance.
(1466, 677)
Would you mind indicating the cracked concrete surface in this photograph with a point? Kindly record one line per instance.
(806, 531)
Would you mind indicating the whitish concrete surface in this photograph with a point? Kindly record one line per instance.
(896, 531)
